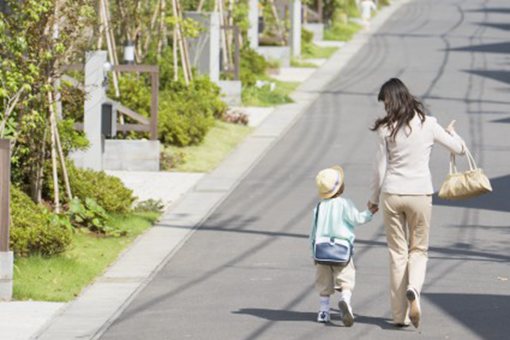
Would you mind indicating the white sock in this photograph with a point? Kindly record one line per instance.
(324, 307)
(346, 296)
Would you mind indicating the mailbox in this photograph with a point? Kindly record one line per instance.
(108, 120)
(261, 24)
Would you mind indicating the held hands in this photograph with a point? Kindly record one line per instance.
(372, 207)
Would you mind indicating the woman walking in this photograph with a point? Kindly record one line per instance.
(402, 175)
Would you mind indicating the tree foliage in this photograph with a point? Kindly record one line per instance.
(37, 37)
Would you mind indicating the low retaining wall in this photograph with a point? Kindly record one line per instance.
(133, 155)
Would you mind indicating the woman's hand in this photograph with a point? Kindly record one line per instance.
(450, 128)
(372, 207)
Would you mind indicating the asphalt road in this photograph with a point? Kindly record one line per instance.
(247, 274)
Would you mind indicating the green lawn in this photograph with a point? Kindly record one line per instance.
(218, 143)
(341, 31)
(299, 62)
(318, 52)
(62, 277)
(263, 96)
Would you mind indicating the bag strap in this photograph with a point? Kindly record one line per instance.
(314, 232)
(453, 165)
(470, 159)
(317, 218)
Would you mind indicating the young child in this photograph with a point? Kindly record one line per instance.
(340, 216)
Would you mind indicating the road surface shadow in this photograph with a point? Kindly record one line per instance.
(453, 251)
(383, 323)
(504, 120)
(485, 315)
(496, 200)
(485, 48)
(498, 75)
(501, 26)
(498, 10)
(278, 314)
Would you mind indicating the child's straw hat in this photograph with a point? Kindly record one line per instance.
(329, 181)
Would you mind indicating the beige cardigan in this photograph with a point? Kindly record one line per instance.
(402, 166)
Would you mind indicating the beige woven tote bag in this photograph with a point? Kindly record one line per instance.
(460, 185)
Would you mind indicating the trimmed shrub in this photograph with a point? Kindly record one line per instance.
(252, 65)
(108, 191)
(186, 113)
(34, 230)
(306, 41)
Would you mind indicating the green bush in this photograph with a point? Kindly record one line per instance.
(135, 93)
(108, 191)
(34, 230)
(306, 41)
(182, 123)
(186, 113)
(252, 65)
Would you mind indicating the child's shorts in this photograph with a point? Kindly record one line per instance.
(330, 278)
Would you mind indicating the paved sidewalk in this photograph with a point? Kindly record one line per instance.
(163, 185)
(192, 199)
(20, 319)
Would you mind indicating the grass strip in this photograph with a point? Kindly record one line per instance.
(218, 143)
(342, 31)
(264, 97)
(312, 51)
(62, 277)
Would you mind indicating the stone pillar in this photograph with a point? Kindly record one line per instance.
(295, 27)
(95, 74)
(205, 49)
(253, 17)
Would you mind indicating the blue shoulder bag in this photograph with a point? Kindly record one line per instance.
(330, 250)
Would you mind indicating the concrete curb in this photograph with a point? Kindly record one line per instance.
(101, 303)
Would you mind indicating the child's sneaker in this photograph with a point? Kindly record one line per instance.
(323, 317)
(347, 316)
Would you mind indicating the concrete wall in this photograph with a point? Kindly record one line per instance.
(205, 49)
(231, 91)
(253, 17)
(279, 53)
(317, 30)
(134, 155)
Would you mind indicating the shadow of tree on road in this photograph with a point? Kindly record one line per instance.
(498, 10)
(503, 120)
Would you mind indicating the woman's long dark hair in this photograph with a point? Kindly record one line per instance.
(400, 106)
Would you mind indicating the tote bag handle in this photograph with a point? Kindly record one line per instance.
(471, 161)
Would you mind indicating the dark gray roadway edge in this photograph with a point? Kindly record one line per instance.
(99, 305)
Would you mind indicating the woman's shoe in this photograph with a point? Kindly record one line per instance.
(414, 300)
(347, 317)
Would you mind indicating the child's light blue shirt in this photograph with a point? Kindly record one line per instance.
(337, 218)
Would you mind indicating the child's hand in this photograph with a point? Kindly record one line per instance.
(373, 208)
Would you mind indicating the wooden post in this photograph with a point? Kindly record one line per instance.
(154, 105)
(6, 256)
(319, 10)
(237, 54)
(5, 183)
